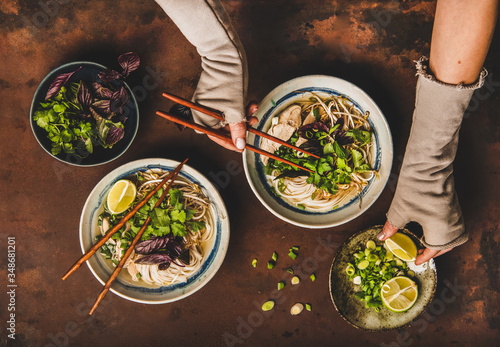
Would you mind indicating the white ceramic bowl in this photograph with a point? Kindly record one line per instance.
(275, 102)
(140, 291)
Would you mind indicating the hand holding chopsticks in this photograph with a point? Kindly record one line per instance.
(219, 115)
(223, 136)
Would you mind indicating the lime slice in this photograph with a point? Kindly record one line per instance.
(402, 246)
(399, 294)
(121, 196)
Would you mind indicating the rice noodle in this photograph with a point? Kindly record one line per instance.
(296, 190)
(198, 243)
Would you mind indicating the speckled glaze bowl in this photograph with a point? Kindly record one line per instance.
(141, 291)
(88, 73)
(353, 310)
(279, 99)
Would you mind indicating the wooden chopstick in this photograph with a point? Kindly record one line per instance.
(137, 237)
(223, 136)
(117, 227)
(220, 116)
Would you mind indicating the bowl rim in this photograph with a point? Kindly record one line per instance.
(32, 109)
(390, 148)
(221, 251)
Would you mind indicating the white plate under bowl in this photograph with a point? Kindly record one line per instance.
(279, 99)
(140, 291)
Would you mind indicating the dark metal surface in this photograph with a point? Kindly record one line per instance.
(369, 43)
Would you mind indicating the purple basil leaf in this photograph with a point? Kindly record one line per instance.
(318, 126)
(115, 134)
(313, 146)
(174, 249)
(340, 135)
(129, 62)
(183, 112)
(151, 245)
(102, 106)
(102, 92)
(153, 259)
(119, 98)
(184, 257)
(84, 96)
(58, 82)
(164, 266)
(108, 75)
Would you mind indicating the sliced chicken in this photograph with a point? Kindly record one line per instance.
(300, 141)
(291, 116)
(309, 119)
(281, 131)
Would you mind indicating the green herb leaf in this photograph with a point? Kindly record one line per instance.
(178, 229)
(196, 226)
(357, 158)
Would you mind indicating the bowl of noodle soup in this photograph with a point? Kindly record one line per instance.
(207, 247)
(292, 112)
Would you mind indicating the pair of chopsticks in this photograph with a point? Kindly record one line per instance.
(219, 115)
(172, 176)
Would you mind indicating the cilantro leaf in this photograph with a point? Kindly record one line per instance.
(362, 136)
(178, 216)
(178, 229)
(328, 149)
(196, 226)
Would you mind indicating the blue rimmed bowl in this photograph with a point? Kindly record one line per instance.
(141, 291)
(282, 97)
(88, 73)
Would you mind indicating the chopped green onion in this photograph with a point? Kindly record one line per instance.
(281, 285)
(268, 305)
(308, 307)
(292, 255)
(363, 264)
(350, 270)
(270, 264)
(254, 263)
(294, 248)
(138, 275)
(290, 270)
(275, 256)
(312, 277)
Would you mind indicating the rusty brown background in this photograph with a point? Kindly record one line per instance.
(369, 43)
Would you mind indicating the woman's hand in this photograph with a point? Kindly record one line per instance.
(423, 256)
(238, 131)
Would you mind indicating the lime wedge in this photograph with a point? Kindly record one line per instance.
(399, 294)
(402, 246)
(121, 196)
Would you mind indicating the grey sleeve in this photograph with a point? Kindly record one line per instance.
(426, 187)
(223, 81)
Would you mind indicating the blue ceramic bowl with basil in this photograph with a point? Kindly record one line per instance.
(88, 73)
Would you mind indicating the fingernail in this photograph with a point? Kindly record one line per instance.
(240, 143)
(381, 236)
